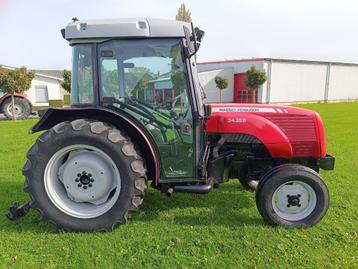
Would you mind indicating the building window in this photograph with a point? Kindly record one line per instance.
(41, 93)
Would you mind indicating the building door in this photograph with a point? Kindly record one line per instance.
(242, 93)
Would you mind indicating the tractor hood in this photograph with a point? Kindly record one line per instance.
(285, 131)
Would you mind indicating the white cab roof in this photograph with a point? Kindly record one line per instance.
(125, 28)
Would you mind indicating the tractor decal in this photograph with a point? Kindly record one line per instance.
(250, 109)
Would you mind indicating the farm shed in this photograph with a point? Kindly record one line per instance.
(290, 81)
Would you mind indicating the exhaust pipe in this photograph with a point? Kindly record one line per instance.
(169, 192)
(194, 188)
(253, 184)
(197, 188)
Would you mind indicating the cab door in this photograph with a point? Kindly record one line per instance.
(149, 77)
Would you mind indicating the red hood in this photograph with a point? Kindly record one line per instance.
(286, 131)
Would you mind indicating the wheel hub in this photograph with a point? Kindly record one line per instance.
(17, 109)
(294, 200)
(87, 177)
(84, 180)
(63, 174)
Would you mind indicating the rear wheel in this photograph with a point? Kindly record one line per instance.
(22, 108)
(292, 196)
(85, 176)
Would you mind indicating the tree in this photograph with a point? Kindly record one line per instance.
(66, 83)
(254, 79)
(183, 14)
(221, 84)
(139, 89)
(136, 82)
(15, 81)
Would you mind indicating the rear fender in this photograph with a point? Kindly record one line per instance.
(139, 135)
(264, 130)
(7, 96)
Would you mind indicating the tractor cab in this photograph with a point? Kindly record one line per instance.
(143, 70)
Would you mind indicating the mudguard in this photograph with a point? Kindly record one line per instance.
(52, 116)
(6, 95)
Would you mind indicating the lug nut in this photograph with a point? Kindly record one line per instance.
(85, 187)
(89, 175)
(84, 172)
(79, 185)
(299, 195)
(77, 180)
(90, 185)
(78, 174)
(92, 180)
(288, 205)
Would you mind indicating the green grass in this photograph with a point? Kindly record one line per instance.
(220, 230)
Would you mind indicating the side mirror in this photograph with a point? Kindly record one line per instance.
(199, 36)
(191, 49)
(193, 39)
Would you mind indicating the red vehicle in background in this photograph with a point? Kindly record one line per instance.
(23, 107)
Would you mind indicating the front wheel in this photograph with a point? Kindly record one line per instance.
(85, 176)
(292, 196)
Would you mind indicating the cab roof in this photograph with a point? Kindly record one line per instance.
(124, 28)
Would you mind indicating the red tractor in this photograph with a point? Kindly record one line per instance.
(22, 107)
(138, 114)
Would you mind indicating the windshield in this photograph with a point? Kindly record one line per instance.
(148, 72)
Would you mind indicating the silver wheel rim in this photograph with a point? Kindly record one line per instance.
(17, 108)
(294, 200)
(82, 181)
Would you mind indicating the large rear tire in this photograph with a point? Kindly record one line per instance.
(85, 176)
(22, 108)
(292, 195)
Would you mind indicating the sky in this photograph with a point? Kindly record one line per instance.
(305, 29)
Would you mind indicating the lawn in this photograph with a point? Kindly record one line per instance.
(220, 230)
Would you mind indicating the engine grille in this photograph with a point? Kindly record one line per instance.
(300, 130)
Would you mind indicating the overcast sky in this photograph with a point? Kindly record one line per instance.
(304, 29)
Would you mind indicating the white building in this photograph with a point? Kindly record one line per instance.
(45, 87)
(289, 81)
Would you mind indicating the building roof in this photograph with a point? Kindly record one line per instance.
(51, 74)
(129, 27)
(276, 60)
(234, 61)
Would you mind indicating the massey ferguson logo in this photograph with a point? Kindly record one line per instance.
(249, 109)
